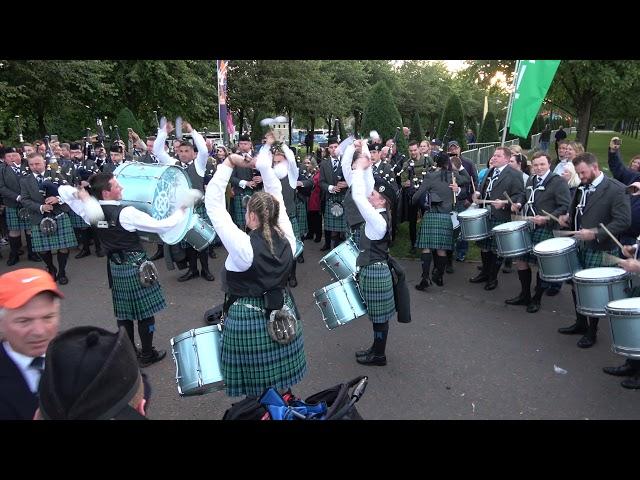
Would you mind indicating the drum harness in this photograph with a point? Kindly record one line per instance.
(584, 190)
(336, 207)
(147, 271)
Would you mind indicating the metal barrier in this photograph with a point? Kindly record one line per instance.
(480, 156)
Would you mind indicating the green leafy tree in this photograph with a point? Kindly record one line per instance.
(488, 131)
(417, 133)
(453, 112)
(381, 114)
(124, 120)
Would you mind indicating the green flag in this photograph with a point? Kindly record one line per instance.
(533, 79)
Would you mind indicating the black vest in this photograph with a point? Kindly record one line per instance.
(372, 251)
(267, 272)
(351, 213)
(196, 180)
(289, 197)
(115, 238)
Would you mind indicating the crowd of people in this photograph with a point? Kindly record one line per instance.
(263, 202)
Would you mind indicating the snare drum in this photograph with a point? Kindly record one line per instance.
(197, 354)
(624, 320)
(341, 261)
(474, 223)
(340, 302)
(154, 189)
(513, 239)
(454, 221)
(596, 287)
(557, 259)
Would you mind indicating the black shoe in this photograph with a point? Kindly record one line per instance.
(424, 283)
(491, 285)
(519, 300)
(437, 278)
(572, 330)
(325, 248)
(34, 257)
(625, 370)
(533, 307)
(300, 258)
(293, 281)
(587, 341)
(13, 259)
(632, 383)
(208, 276)
(372, 359)
(99, 253)
(552, 292)
(364, 353)
(53, 273)
(62, 279)
(481, 277)
(156, 356)
(188, 276)
(83, 253)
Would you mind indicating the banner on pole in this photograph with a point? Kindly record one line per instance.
(222, 95)
(533, 79)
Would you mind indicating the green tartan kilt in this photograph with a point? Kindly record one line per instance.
(595, 258)
(238, 210)
(331, 222)
(301, 215)
(64, 237)
(490, 242)
(356, 233)
(132, 301)
(251, 360)
(77, 221)
(540, 234)
(14, 222)
(201, 210)
(436, 232)
(295, 225)
(376, 288)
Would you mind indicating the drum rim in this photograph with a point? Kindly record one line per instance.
(208, 388)
(572, 246)
(483, 213)
(523, 226)
(614, 278)
(619, 311)
(183, 335)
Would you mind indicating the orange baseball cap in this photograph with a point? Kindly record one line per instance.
(20, 286)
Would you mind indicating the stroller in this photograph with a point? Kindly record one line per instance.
(334, 403)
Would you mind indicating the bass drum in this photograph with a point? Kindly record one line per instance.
(155, 189)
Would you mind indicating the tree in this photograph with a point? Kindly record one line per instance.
(124, 120)
(381, 114)
(453, 112)
(417, 133)
(488, 131)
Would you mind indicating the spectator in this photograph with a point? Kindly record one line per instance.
(308, 141)
(470, 136)
(545, 138)
(559, 136)
(314, 206)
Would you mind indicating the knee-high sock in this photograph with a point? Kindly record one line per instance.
(204, 259)
(27, 237)
(426, 264)
(292, 272)
(146, 328)
(525, 282)
(48, 260)
(380, 333)
(128, 326)
(192, 258)
(581, 320)
(62, 261)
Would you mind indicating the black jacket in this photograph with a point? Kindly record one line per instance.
(17, 402)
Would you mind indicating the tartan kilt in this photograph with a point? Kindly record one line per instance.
(356, 233)
(538, 235)
(132, 301)
(376, 288)
(436, 232)
(490, 242)
(594, 258)
(301, 215)
(238, 210)
(77, 221)
(201, 210)
(13, 220)
(64, 237)
(331, 222)
(296, 226)
(251, 360)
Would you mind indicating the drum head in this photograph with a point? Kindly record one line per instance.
(554, 245)
(510, 226)
(473, 213)
(625, 305)
(600, 273)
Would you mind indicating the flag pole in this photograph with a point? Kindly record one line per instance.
(510, 106)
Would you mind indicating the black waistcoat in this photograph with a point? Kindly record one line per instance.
(115, 237)
(372, 251)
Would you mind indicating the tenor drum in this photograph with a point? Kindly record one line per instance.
(474, 223)
(154, 189)
(596, 287)
(557, 259)
(197, 354)
(513, 239)
(624, 320)
(341, 261)
(340, 302)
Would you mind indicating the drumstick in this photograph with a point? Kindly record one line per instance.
(563, 233)
(611, 235)
(610, 259)
(552, 217)
(508, 198)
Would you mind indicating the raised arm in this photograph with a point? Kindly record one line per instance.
(159, 151)
(203, 153)
(376, 226)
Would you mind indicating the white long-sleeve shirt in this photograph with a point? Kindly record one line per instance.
(235, 240)
(347, 171)
(375, 227)
(164, 158)
(130, 218)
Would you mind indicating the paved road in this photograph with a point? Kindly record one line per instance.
(466, 355)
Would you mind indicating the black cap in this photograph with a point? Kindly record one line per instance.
(244, 138)
(453, 143)
(6, 150)
(90, 374)
(98, 145)
(75, 146)
(386, 189)
(436, 141)
(375, 147)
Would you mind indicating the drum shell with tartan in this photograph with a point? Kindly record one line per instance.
(251, 360)
(436, 232)
(62, 238)
(132, 301)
